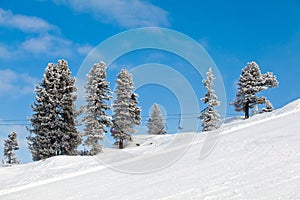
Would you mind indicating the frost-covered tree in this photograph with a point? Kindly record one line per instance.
(156, 123)
(210, 116)
(96, 119)
(10, 146)
(126, 112)
(69, 137)
(53, 123)
(250, 83)
(42, 140)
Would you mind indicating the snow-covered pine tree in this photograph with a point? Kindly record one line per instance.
(68, 136)
(96, 119)
(126, 113)
(52, 130)
(10, 146)
(156, 123)
(42, 139)
(210, 116)
(250, 83)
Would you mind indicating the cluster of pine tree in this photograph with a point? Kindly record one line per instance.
(53, 129)
(54, 121)
(251, 82)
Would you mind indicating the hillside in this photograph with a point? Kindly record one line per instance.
(257, 158)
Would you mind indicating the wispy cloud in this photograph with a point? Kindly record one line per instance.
(48, 45)
(126, 13)
(45, 45)
(25, 23)
(52, 45)
(43, 38)
(15, 84)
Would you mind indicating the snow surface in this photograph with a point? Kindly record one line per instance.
(257, 158)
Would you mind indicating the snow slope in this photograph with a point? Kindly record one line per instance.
(257, 158)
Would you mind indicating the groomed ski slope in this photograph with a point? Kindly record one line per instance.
(257, 158)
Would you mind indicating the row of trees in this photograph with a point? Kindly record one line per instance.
(53, 124)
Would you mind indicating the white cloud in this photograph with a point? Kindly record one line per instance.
(48, 45)
(126, 13)
(14, 84)
(44, 45)
(42, 38)
(52, 45)
(25, 23)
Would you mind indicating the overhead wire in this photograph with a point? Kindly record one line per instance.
(172, 116)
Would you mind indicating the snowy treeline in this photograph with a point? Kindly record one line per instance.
(53, 129)
(53, 123)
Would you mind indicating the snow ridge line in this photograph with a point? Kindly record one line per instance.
(255, 122)
(229, 129)
(50, 180)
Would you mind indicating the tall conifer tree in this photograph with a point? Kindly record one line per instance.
(126, 112)
(96, 119)
(210, 117)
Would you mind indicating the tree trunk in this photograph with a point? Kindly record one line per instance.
(121, 144)
(247, 109)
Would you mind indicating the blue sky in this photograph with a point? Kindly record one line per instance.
(34, 33)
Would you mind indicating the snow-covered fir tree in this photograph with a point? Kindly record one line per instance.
(96, 119)
(210, 116)
(126, 112)
(42, 140)
(250, 83)
(53, 124)
(68, 135)
(156, 123)
(10, 146)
